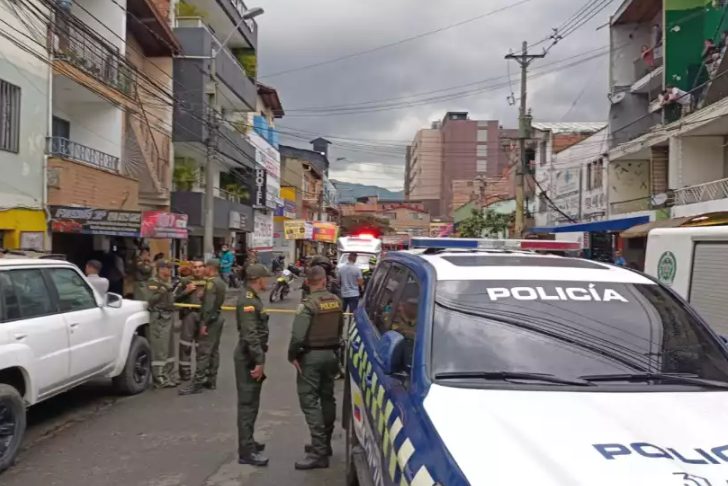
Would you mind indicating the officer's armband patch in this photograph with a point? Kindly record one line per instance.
(300, 309)
(248, 308)
(249, 295)
(210, 286)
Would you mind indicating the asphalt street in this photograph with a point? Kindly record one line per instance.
(90, 437)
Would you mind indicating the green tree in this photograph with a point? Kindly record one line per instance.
(484, 224)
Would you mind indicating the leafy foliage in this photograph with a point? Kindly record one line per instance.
(186, 174)
(484, 224)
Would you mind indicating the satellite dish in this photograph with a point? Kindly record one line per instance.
(617, 97)
(659, 199)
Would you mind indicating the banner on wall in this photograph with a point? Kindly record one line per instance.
(298, 230)
(262, 231)
(325, 232)
(440, 230)
(161, 224)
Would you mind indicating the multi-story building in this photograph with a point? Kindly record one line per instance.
(24, 116)
(452, 152)
(306, 170)
(423, 174)
(667, 155)
(109, 138)
(409, 217)
(216, 91)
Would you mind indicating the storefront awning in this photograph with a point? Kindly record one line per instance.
(641, 230)
(608, 225)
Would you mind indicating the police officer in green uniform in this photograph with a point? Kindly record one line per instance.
(367, 272)
(161, 326)
(190, 291)
(250, 362)
(211, 324)
(143, 272)
(405, 323)
(315, 338)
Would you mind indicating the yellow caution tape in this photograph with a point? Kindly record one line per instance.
(248, 309)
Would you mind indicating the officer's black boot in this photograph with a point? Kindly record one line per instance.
(259, 447)
(308, 449)
(211, 384)
(191, 389)
(312, 462)
(253, 459)
(185, 375)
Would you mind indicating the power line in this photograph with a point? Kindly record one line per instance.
(396, 43)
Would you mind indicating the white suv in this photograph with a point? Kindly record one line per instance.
(57, 332)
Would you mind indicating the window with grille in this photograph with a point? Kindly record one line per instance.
(9, 117)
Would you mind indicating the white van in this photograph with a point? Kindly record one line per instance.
(364, 246)
(694, 262)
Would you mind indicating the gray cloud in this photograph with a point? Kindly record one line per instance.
(295, 34)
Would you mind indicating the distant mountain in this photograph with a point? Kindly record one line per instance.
(348, 191)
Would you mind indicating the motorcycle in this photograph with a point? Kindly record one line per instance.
(283, 287)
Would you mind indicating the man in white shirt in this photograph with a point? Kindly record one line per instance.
(351, 280)
(93, 268)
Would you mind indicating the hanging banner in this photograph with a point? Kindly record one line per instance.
(325, 232)
(161, 224)
(262, 231)
(295, 229)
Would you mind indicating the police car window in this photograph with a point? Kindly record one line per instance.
(385, 305)
(373, 288)
(569, 329)
(405, 317)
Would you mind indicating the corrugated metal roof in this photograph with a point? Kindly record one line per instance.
(570, 127)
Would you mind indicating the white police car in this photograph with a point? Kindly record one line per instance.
(484, 367)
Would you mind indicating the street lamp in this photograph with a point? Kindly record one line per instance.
(249, 14)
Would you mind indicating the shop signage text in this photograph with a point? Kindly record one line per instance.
(161, 224)
(325, 232)
(237, 221)
(86, 221)
(263, 231)
(260, 188)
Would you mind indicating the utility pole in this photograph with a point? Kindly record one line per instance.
(211, 145)
(524, 59)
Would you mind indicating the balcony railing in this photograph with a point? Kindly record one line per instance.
(631, 205)
(241, 8)
(709, 191)
(62, 147)
(75, 43)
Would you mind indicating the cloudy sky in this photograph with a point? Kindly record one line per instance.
(341, 100)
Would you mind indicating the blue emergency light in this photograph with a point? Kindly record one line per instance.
(494, 244)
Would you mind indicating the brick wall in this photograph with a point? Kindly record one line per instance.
(76, 184)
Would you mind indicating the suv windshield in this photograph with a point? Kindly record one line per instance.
(569, 330)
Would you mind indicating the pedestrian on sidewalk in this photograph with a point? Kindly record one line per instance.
(190, 291)
(250, 363)
(211, 324)
(315, 338)
(351, 281)
(227, 259)
(161, 326)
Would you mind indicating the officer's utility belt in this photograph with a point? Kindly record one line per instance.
(332, 347)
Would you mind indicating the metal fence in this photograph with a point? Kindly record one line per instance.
(62, 147)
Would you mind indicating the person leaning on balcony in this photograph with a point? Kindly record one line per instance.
(673, 94)
(648, 55)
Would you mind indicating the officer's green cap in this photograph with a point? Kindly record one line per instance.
(212, 262)
(164, 264)
(256, 271)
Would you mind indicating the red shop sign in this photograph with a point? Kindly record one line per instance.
(161, 224)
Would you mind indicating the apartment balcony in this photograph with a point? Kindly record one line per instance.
(81, 175)
(709, 191)
(222, 16)
(238, 90)
(150, 28)
(648, 78)
(69, 150)
(631, 205)
(92, 62)
(148, 159)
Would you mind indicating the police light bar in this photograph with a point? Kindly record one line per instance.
(495, 244)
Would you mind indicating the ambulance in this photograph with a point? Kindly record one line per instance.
(364, 245)
(694, 263)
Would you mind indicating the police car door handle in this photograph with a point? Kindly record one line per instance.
(368, 378)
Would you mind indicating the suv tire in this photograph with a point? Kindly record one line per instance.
(12, 425)
(137, 373)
